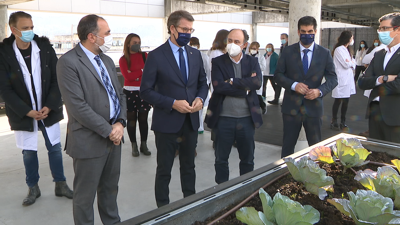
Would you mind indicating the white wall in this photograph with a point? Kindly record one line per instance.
(143, 8)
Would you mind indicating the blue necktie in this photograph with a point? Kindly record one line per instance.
(182, 65)
(305, 61)
(108, 85)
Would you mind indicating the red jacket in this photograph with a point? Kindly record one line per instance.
(133, 75)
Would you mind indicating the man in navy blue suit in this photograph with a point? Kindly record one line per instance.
(234, 109)
(300, 70)
(175, 83)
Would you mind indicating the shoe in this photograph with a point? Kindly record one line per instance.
(343, 127)
(200, 132)
(33, 194)
(365, 133)
(273, 102)
(135, 152)
(264, 111)
(62, 189)
(144, 149)
(334, 125)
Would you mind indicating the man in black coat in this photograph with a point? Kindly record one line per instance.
(382, 76)
(28, 85)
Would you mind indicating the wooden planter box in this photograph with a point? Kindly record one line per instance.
(207, 203)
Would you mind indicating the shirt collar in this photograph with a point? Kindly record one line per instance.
(311, 48)
(174, 47)
(241, 57)
(89, 54)
(392, 49)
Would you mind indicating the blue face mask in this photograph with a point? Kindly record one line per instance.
(27, 35)
(183, 38)
(385, 38)
(376, 44)
(362, 45)
(307, 39)
(283, 41)
(269, 49)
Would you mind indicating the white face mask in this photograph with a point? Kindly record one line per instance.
(233, 49)
(352, 42)
(253, 52)
(108, 40)
(194, 46)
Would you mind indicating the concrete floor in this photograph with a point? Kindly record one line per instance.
(136, 193)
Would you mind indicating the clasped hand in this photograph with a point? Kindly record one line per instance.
(117, 133)
(39, 115)
(183, 106)
(308, 93)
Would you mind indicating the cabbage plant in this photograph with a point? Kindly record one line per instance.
(350, 152)
(279, 211)
(311, 175)
(367, 207)
(386, 182)
(322, 154)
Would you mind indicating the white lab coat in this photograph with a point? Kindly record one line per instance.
(263, 64)
(345, 73)
(29, 140)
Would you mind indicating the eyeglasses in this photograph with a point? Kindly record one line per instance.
(386, 28)
(187, 30)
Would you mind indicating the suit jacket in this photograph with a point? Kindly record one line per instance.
(389, 93)
(13, 88)
(222, 70)
(290, 70)
(162, 83)
(87, 103)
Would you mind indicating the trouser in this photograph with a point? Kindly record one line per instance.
(359, 69)
(261, 101)
(167, 144)
(291, 129)
(97, 175)
(275, 86)
(378, 129)
(335, 109)
(31, 161)
(229, 130)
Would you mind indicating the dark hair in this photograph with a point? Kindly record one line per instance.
(365, 43)
(373, 46)
(175, 18)
(127, 48)
(12, 21)
(272, 47)
(395, 17)
(307, 21)
(194, 41)
(246, 36)
(343, 39)
(88, 24)
(287, 36)
(219, 42)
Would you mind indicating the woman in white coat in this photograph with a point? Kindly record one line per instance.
(344, 67)
(253, 51)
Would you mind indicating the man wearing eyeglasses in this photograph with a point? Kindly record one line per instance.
(175, 83)
(382, 77)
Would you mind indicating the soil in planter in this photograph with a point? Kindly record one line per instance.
(344, 182)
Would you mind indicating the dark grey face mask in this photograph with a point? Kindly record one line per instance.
(135, 48)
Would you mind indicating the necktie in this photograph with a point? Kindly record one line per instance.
(305, 61)
(108, 85)
(182, 65)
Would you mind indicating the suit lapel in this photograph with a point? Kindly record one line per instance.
(229, 66)
(191, 61)
(171, 59)
(314, 59)
(394, 57)
(297, 57)
(87, 63)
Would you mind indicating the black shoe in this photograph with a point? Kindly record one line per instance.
(273, 102)
(344, 127)
(33, 194)
(144, 149)
(62, 189)
(335, 126)
(135, 151)
(264, 111)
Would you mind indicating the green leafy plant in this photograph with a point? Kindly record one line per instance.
(367, 207)
(350, 152)
(322, 154)
(311, 175)
(396, 162)
(386, 182)
(279, 211)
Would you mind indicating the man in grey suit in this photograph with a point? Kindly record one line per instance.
(96, 119)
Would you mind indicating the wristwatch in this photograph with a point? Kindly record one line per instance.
(385, 78)
(122, 121)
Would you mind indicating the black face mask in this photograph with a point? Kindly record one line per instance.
(135, 48)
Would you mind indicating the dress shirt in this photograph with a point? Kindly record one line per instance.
(175, 51)
(91, 56)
